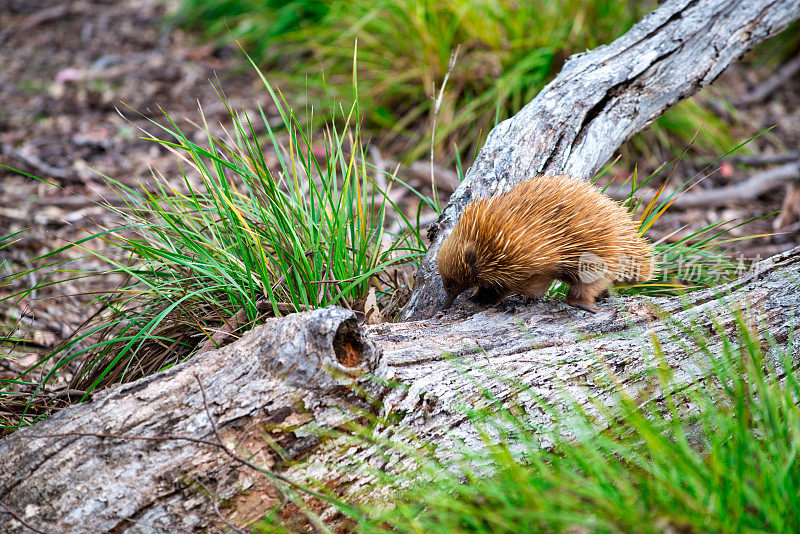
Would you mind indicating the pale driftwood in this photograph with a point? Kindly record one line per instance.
(603, 97)
(143, 457)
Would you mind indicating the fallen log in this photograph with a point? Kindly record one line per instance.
(146, 456)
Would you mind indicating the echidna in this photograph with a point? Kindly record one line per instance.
(546, 228)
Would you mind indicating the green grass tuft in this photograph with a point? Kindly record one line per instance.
(266, 222)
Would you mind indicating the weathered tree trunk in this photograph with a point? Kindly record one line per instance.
(143, 457)
(600, 99)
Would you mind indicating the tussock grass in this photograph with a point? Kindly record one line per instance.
(698, 259)
(268, 220)
(508, 51)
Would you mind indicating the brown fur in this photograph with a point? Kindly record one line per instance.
(521, 240)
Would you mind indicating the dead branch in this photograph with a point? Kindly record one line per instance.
(745, 191)
(760, 93)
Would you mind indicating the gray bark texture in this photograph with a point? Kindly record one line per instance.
(279, 376)
(599, 100)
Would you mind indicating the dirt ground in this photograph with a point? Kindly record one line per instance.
(68, 66)
(69, 70)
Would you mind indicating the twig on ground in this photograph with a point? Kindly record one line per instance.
(213, 498)
(332, 281)
(753, 187)
(766, 88)
(21, 521)
(45, 15)
(767, 159)
(39, 164)
(8, 365)
(446, 177)
(225, 520)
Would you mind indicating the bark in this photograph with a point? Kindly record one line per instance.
(143, 468)
(143, 457)
(600, 99)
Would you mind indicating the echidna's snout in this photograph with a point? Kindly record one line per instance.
(452, 289)
(448, 300)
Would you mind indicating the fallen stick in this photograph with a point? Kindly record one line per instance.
(766, 159)
(762, 91)
(745, 191)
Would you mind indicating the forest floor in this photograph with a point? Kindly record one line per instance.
(68, 66)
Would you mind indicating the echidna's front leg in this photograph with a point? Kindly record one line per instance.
(536, 285)
(489, 295)
(583, 295)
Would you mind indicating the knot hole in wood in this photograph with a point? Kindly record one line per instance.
(347, 344)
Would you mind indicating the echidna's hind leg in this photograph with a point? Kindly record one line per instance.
(583, 295)
(535, 286)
